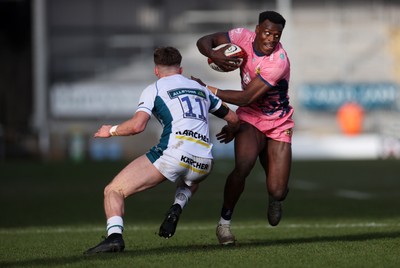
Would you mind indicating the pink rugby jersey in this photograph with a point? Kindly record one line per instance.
(274, 70)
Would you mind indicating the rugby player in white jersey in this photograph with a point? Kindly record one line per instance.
(183, 154)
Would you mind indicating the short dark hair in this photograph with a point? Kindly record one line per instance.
(272, 16)
(167, 56)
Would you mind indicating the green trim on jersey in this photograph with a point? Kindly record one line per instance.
(163, 115)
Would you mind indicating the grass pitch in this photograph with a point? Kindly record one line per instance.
(337, 214)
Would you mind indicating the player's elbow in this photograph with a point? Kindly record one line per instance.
(138, 128)
(198, 43)
(135, 128)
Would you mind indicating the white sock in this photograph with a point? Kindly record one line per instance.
(223, 221)
(182, 196)
(115, 224)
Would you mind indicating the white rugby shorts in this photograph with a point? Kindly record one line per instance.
(177, 165)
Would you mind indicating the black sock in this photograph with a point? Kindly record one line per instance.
(177, 207)
(226, 213)
(114, 235)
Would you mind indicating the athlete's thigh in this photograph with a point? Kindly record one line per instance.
(137, 176)
(279, 159)
(249, 141)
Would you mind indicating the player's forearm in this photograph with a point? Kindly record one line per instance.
(133, 126)
(236, 97)
(233, 97)
(130, 127)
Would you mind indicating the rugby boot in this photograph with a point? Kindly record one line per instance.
(168, 227)
(113, 243)
(274, 212)
(224, 235)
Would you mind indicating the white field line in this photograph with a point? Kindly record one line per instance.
(48, 230)
(350, 194)
(343, 193)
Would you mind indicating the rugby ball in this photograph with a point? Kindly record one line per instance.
(232, 51)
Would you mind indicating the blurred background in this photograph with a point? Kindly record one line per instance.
(69, 66)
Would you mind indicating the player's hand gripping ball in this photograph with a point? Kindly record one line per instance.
(233, 51)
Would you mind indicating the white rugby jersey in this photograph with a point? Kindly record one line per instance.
(181, 105)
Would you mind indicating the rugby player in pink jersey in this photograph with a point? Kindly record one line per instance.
(266, 129)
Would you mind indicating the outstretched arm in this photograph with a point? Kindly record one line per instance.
(253, 92)
(132, 126)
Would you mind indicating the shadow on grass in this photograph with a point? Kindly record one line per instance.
(50, 262)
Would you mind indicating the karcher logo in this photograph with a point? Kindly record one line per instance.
(193, 134)
(193, 163)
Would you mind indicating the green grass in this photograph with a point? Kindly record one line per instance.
(337, 214)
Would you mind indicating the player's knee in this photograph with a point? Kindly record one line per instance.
(278, 194)
(110, 189)
(241, 172)
(107, 190)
